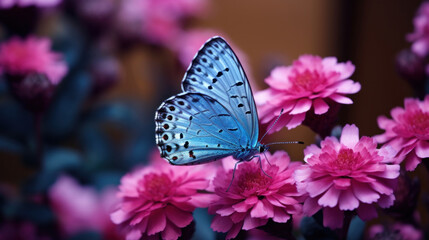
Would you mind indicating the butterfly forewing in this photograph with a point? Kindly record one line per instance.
(193, 128)
(217, 72)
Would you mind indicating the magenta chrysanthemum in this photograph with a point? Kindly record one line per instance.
(89, 211)
(32, 55)
(157, 201)
(408, 131)
(346, 175)
(253, 197)
(308, 84)
(420, 36)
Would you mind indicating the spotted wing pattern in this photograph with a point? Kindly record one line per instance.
(193, 128)
(216, 71)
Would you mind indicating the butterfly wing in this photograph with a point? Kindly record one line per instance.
(216, 71)
(193, 128)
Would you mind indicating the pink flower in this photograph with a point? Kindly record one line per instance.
(308, 84)
(396, 231)
(253, 197)
(408, 131)
(158, 200)
(420, 36)
(32, 55)
(81, 208)
(347, 175)
(26, 3)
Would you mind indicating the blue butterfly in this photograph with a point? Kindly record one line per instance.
(215, 116)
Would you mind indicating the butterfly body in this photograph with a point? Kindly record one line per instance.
(215, 116)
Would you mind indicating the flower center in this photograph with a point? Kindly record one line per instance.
(252, 179)
(417, 122)
(346, 160)
(156, 186)
(307, 81)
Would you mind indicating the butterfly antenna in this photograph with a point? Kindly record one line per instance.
(272, 125)
(294, 142)
(233, 174)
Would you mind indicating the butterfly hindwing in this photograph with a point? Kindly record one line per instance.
(217, 72)
(193, 128)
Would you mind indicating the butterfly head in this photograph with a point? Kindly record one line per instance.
(262, 148)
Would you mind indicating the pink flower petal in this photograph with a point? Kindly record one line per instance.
(311, 206)
(350, 136)
(312, 149)
(250, 222)
(258, 210)
(411, 161)
(221, 224)
(171, 232)
(234, 231)
(348, 87)
(422, 149)
(178, 217)
(391, 172)
(348, 201)
(156, 223)
(341, 99)
(342, 183)
(134, 234)
(239, 207)
(295, 120)
(225, 211)
(364, 193)
(381, 187)
(302, 106)
(330, 198)
(319, 186)
(119, 216)
(320, 106)
(280, 215)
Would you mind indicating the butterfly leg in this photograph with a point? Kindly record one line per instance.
(267, 159)
(233, 174)
(260, 165)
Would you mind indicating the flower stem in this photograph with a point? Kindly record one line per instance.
(342, 233)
